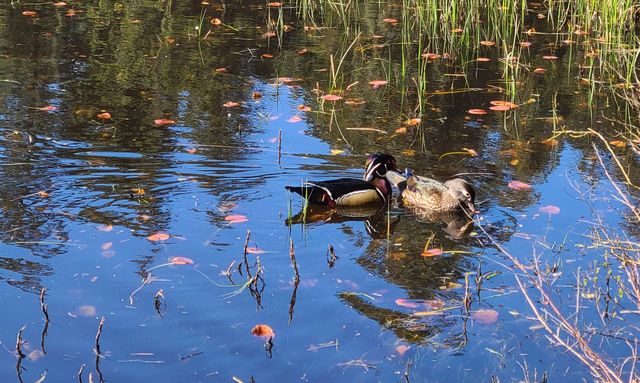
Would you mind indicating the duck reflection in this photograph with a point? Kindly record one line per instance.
(457, 224)
(377, 223)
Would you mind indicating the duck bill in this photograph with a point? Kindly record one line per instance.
(370, 172)
(470, 208)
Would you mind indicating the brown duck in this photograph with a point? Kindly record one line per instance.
(432, 195)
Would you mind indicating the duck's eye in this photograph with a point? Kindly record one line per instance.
(466, 194)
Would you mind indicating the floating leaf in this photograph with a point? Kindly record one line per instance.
(275, 4)
(236, 218)
(550, 57)
(401, 130)
(138, 191)
(514, 162)
(409, 152)
(216, 21)
(302, 51)
(427, 313)
(181, 260)
(525, 44)
(486, 316)
(304, 108)
(618, 144)
(331, 97)
(432, 252)
(518, 185)
(48, 108)
(431, 56)
(510, 104)
(499, 108)
(268, 55)
(335, 152)
(86, 311)
(377, 83)
(159, 236)
(402, 348)
(550, 209)
(294, 119)
(483, 59)
(43, 194)
(35, 355)
(105, 228)
(390, 21)
(59, 4)
(412, 121)
(406, 303)
(231, 104)
(487, 43)
(262, 330)
(221, 70)
(254, 250)
(191, 150)
(256, 95)
(355, 101)
(163, 121)
(478, 112)
(539, 71)
(30, 13)
(106, 246)
(104, 115)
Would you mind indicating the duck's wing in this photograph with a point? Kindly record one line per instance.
(341, 191)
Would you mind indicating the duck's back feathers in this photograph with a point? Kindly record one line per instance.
(341, 191)
(433, 195)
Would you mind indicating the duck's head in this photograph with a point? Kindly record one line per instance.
(377, 166)
(463, 192)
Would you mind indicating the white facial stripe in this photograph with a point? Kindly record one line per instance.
(370, 170)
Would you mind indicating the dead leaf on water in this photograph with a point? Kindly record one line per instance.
(331, 97)
(181, 260)
(231, 104)
(157, 237)
(407, 303)
(432, 252)
(518, 185)
(401, 349)
(550, 209)
(86, 311)
(618, 143)
(263, 330)
(236, 218)
(105, 228)
(163, 121)
(485, 316)
(412, 121)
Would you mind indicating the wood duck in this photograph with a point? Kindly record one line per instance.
(374, 188)
(432, 195)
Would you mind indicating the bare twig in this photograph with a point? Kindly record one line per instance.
(20, 342)
(80, 373)
(98, 334)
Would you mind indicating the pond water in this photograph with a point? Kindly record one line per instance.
(124, 122)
